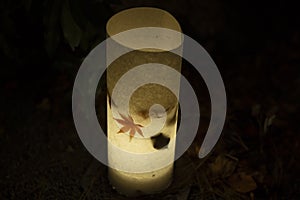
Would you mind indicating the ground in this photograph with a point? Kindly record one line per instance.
(257, 50)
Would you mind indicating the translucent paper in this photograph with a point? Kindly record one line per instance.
(142, 102)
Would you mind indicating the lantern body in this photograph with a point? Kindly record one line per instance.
(141, 155)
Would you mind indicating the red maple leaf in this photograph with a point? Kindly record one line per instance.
(129, 125)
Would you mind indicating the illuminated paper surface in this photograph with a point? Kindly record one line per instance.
(141, 161)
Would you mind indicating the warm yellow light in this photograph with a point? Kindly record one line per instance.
(137, 152)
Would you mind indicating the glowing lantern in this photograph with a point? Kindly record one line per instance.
(142, 101)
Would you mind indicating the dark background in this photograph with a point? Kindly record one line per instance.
(256, 46)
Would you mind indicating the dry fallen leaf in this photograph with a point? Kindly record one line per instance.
(223, 166)
(241, 182)
(44, 105)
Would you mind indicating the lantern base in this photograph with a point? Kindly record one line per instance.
(137, 184)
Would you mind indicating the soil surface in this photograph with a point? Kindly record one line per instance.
(256, 47)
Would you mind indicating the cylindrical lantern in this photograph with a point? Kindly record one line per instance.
(142, 102)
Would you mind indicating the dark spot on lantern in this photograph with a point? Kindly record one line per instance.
(160, 141)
